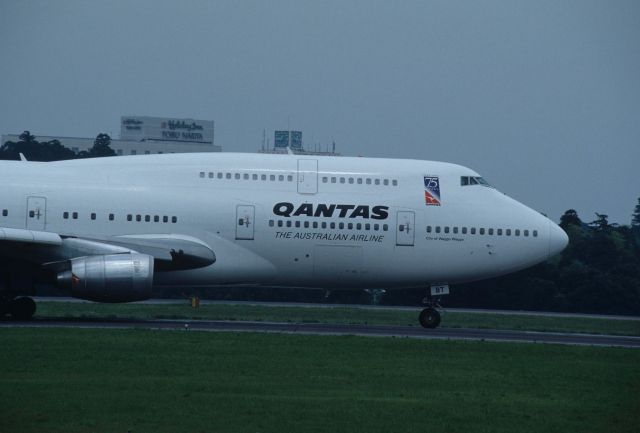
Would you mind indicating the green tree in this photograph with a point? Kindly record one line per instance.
(635, 217)
(34, 150)
(101, 148)
(570, 217)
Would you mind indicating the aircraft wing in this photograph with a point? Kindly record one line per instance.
(169, 251)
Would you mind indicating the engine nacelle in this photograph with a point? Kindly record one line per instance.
(109, 278)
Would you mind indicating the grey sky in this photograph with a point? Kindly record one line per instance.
(541, 97)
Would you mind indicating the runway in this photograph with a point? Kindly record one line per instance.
(442, 333)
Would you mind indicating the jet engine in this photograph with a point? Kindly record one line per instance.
(109, 278)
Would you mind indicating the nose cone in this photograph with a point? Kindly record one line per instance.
(558, 239)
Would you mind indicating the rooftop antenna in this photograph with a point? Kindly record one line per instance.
(264, 138)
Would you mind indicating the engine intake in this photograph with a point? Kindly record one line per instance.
(109, 278)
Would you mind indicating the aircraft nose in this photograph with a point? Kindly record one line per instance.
(558, 239)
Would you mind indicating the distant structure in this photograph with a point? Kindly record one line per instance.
(143, 135)
(286, 141)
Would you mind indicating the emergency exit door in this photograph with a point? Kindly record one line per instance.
(307, 176)
(36, 213)
(405, 228)
(245, 222)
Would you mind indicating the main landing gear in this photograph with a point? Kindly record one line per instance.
(430, 317)
(22, 308)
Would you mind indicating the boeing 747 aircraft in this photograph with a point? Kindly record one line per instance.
(112, 229)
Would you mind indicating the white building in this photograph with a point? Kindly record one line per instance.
(141, 135)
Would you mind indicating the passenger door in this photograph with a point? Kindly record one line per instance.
(245, 222)
(36, 213)
(405, 228)
(307, 176)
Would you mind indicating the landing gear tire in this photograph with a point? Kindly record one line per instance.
(429, 318)
(22, 308)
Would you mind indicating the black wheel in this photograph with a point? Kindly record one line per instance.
(429, 318)
(22, 308)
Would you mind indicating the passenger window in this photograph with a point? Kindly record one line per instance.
(535, 233)
(437, 229)
(490, 231)
(147, 218)
(341, 226)
(210, 175)
(526, 232)
(165, 219)
(508, 232)
(367, 226)
(464, 230)
(350, 180)
(455, 230)
(138, 218)
(93, 215)
(129, 217)
(517, 232)
(202, 174)
(482, 231)
(174, 219)
(342, 180)
(324, 225)
(385, 182)
(289, 178)
(499, 232)
(246, 176)
(394, 182)
(333, 180)
(237, 176)
(315, 224)
(271, 223)
(75, 215)
(332, 225)
(279, 223)
(359, 226)
(377, 181)
(64, 215)
(297, 223)
(325, 179)
(385, 227)
(428, 229)
(288, 223)
(306, 224)
(473, 230)
(156, 218)
(368, 181)
(272, 177)
(359, 181)
(263, 177)
(350, 226)
(228, 176)
(281, 178)
(376, 227)
(446, 229)
(111, 217)
(219, 175)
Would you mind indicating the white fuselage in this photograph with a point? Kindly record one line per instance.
(288, 220)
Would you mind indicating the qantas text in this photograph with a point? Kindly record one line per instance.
(286, 209)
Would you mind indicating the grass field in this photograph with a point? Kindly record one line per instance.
(337, 315)
(80, 380)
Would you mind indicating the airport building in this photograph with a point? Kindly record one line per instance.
(291, 141)
(140, 135)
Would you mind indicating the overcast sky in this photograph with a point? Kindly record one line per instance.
(541, 97)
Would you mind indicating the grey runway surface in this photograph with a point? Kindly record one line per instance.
(338, 329)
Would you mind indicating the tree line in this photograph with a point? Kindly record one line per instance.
(53, 150)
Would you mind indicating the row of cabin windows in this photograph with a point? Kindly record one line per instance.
(130, 217)
(359, 180)
(247, 176)
(5, 212)
(482, 231)
(330, 225)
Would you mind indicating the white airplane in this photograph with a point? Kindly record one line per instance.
(111, 229)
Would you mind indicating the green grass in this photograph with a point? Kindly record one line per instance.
(337, 315)
(75, 380)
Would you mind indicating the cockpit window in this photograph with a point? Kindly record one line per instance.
(473, 180)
